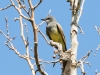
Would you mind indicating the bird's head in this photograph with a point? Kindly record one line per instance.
(49, 19)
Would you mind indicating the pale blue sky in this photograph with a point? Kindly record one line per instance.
(11, 64)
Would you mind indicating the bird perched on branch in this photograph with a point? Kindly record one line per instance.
(54, 31)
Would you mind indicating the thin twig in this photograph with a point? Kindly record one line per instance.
(97, 49)
(82, 61)
(18, 9)
(48, 62)
(27, 37)
(5, 35)
(81, 31)
(6, 7)
(49, 12)
(81, 8)
(85, 57)
(97, 72)
(43, 36)
(15, 50)
(98, 29)
(27, 11)
(38, 4)
(8, 43)
(15, 19)
(23, 38)
(40, 24)
(7, 25)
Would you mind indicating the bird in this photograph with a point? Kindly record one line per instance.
(54, 31)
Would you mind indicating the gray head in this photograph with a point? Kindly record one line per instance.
(49, 19)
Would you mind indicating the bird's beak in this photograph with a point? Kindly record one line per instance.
(43, 19)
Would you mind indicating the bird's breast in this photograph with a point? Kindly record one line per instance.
(53, 32)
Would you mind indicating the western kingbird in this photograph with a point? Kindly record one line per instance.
(54, 31)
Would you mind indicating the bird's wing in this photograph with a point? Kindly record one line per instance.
(60, 30)
(48, 34)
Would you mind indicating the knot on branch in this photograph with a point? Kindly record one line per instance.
(65, 56)
(75, 26)
(56, 45)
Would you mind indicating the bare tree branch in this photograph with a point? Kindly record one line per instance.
(47, 62)
(82, 61)
(15, 19)
(35, 39)
(28, 12)
(97, 73)
(30, 4)
(25, 41)
(6, 7)
(80, 9)
(49, 12)
(97, 49)
(15, 50)
(68, 57)
(77, 7)
(43, 36)
(31, 19)
(98, 29)
(81, 31)
(8, 43)
(18, 9)
(7, 26)
(27, 37)
(40, 24)
(37, 4)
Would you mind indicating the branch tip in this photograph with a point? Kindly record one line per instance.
(38, 4)
(49, 12)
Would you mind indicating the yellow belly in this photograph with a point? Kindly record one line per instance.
(56, 37)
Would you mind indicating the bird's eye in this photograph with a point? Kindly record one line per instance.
(48, 18)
